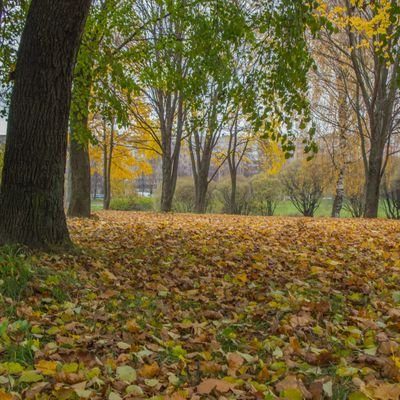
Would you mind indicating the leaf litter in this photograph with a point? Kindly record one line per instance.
(164, 306)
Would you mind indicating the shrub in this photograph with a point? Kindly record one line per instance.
(303, 182)
(354, 183)
(355, 204)
(391, 199)
(184, 197)
(266, 193)
(132, 203)
(243, 195)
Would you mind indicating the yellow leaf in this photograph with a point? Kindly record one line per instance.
(132, 326)
(6, 396)
(46, 367)
(242, 277)
(150, 370)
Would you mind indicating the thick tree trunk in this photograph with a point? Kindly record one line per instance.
(339, 197)
(170, 159)
(372, 188)
(201, 193)
(79, 202)
(200, 169)
(32, 192)
(168, 185)
(79, 196)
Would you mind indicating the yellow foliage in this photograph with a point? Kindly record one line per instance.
(127, 161)
(271, 156)
(354, 179)
(367, 25)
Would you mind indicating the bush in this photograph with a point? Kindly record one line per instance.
(132, 203)
(266, 193)
(391, 199)
(243, 195)
(355, 204)
(303, 182)
(184, 197)
(354, 183)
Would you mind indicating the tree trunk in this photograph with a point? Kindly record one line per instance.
(167, 189)
(373, 182)
(170, 159)
(200, 169)
(32, 192)
(79, 196)
(95, 178)
(201, 193)
(232, 205)
(79, 202)
(339, 198)
(107, 168)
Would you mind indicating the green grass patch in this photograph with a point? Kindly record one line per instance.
(15, 272)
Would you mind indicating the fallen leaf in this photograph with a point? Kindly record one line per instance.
(208, 385)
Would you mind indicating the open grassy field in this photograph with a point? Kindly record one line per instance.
(284, 209)
(208, 307)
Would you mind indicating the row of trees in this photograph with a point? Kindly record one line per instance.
(304, 183)
(167, 86)
(343, 113)
(170, 71)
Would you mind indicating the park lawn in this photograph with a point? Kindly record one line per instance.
(285, 208)
(97, 204)
(175, 306)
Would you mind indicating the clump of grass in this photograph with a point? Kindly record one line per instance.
(15, 273)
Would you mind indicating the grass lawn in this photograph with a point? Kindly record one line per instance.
(284, 209)
(205, 307)
(97, 204)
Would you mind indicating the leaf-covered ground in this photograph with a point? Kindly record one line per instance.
(208, 307)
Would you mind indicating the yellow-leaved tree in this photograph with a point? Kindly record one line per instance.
(368, 33)
(120, 155)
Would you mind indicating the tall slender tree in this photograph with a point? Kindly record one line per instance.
(32, 191)
(371, 49)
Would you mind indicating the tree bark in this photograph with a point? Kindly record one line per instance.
(200, 155)
(377, 82)
(373, 182)
(79, 202)
(107, 166)
(170, 158)
(201, 194)
(168, 188)
(32, 192)
(339, 197)
(232, 203)
(79, 196)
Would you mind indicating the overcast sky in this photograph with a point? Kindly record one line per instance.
(3, 126)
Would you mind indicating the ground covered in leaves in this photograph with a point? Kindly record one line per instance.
(205, 307)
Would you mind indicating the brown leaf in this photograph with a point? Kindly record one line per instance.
(292, 382)
(208, 385)
(235, 361)
(383, 391)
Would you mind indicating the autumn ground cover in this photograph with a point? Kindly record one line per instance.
(205, 307)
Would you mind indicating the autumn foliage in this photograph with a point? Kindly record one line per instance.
(220, 307)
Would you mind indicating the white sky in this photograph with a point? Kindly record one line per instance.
(3, 126)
